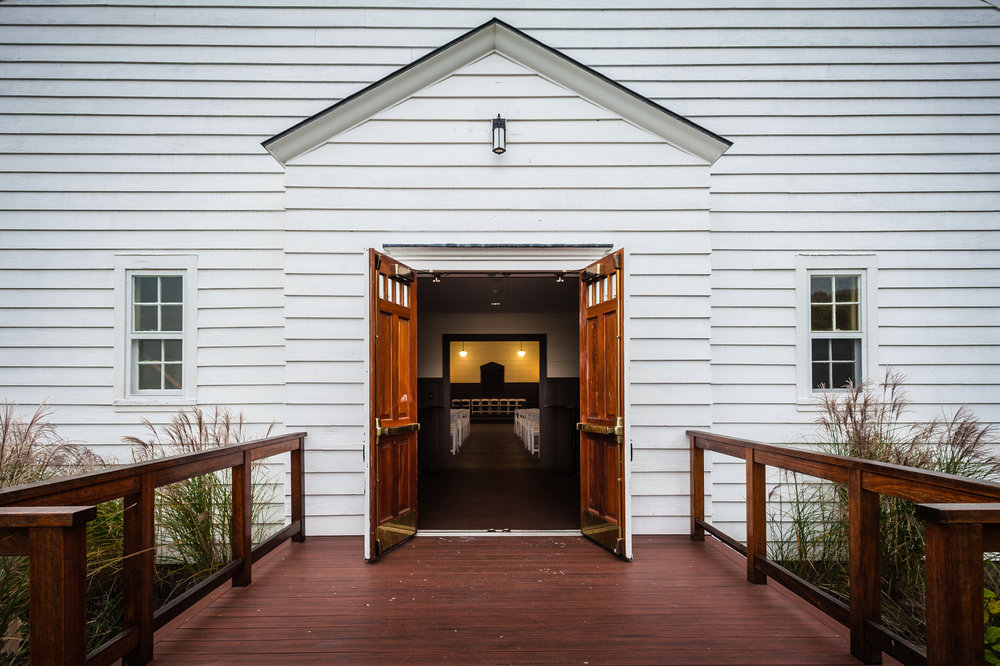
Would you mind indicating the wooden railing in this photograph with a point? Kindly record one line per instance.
(47, 522)
(962, 520)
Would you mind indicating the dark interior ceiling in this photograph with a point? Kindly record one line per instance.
(518, 294)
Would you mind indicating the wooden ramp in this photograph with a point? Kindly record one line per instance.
(504, 599)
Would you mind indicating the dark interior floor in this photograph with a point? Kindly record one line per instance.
(497, 485)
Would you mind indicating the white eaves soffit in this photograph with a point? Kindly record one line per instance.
(495, 36)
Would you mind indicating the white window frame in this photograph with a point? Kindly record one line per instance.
(126, 267)
(865, 267)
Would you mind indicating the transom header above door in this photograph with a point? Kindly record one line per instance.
(513, 258)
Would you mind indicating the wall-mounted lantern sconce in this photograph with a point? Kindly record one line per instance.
(499, 135)
(521, 352)
(463, 353)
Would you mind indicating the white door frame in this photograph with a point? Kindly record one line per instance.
(447, 258)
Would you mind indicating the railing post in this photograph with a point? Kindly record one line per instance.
(955, 544)
(56, 546)
(58, 594)
(954, 594)
(298, 484)
(138, 550)
(756, 518)
(241, 539)
(697, 490)
(865, 567)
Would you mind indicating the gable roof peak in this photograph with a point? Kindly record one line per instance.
(496, 36)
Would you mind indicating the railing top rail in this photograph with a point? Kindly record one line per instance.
(960, 514)
(61, 487)
(909, 479)
(46, 516)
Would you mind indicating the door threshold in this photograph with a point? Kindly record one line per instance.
(496, 533)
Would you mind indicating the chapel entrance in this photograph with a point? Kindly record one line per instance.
(499, 400)
(547, 451)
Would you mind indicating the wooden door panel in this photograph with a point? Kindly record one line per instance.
(611, 480)
(385, 491)
(393, 469)
(602, 408)
(609, 366)
(404, 390)
(384, 374)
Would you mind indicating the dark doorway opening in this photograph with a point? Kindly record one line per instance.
(513, 463)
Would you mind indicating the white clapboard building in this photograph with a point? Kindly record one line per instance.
(698, 213)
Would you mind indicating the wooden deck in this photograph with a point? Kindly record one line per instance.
(504, 599)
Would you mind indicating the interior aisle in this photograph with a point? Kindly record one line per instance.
(497, 485)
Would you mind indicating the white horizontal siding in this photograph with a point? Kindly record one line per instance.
(620, 194)
(859, 125)
(897, 156)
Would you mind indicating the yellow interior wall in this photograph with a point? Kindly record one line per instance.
(516, 369)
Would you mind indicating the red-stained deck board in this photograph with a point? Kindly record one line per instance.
(554, 599)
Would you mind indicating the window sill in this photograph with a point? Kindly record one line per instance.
(151, 404)
(813, 402)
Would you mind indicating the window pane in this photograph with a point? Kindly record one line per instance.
(172, 318)
(172, 376)
(149, 350)
(145, 318)
(145, 290)
(171, 289)
(172, 350)
(842, 374)
(821, 350)
(847, 317)
(822, 318)
(820, 378)
(149, 377)
(843, 350)
(821, 289)
(847, 289)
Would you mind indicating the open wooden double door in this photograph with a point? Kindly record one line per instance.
(393, 420)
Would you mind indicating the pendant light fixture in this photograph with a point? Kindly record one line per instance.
(520, 351)
(463, 353)
(499, 135)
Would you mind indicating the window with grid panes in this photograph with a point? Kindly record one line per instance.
(156, 333)
(836, 330)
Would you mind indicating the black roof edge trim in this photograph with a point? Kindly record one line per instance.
(520, 33)
(624, 89)
(383, 81)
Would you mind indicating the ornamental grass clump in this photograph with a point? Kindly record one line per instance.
(809, 517)
(194, 517)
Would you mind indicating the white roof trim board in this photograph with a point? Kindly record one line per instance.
(495, 36)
